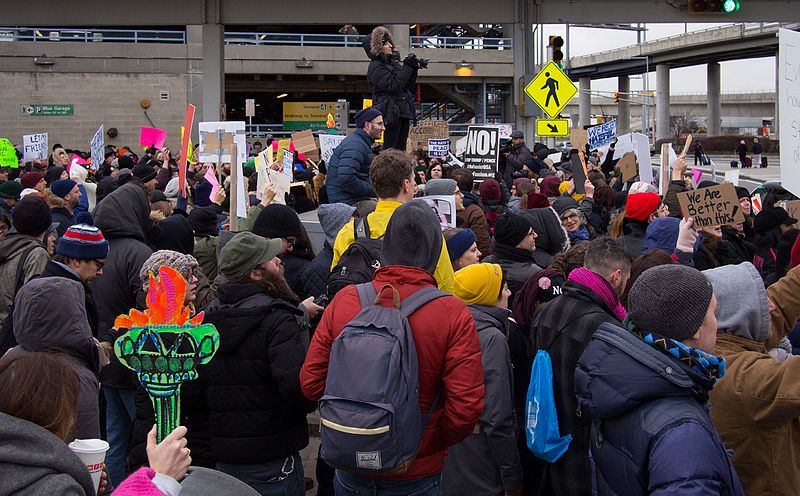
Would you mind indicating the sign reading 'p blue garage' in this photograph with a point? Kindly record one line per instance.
(483, 152)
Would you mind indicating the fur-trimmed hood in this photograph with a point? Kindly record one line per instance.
(373, 44)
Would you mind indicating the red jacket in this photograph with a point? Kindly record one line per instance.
(449, 355)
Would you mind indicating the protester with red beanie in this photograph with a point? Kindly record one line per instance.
(640, 210)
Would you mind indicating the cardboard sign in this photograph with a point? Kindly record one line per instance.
(792, 207)
(419, 135)
(8, 155)
(686, 145)
(732, 177)
(602, 134)
(445, 209)
(711, 207)
(438, 147)
(96, 146)
(34, 147)
(304, 143)
(579, 138)
(186, 143)
(152, 136)
(328, 143)
(664, 170)
(282, 185)
(627, 166)
(578, 174)
(483, 152)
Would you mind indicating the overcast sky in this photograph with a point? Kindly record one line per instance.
(737, 76)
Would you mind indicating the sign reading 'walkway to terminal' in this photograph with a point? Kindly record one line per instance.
(551, 89)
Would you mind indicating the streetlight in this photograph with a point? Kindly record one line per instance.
(645, 99)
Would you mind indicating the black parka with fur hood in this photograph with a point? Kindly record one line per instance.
(391, 82)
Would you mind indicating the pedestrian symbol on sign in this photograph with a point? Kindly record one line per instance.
(552, 88)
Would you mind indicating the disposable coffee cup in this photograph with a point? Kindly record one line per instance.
(92, 453)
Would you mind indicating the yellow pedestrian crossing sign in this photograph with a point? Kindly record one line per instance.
(552, 127)
(551, 89)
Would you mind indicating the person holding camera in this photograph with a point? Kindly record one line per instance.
(392, 82)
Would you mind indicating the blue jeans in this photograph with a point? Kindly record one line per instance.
(120, 409)
(274, 478)
(349, 484)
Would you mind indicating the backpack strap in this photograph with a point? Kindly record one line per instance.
(366, 294)
(21, 268)
(361, 229)
(420, 298)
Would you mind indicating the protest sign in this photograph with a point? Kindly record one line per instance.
(186, 143)
(623, 146)
(419, 135)
(152, 136)
(732, 177)
(641, 145)
(788, 61)
(224, 142)
(686, 145)
(438, 147)
(287, 164)
(792, 207)
(664, 169)
(282, 185)
(578, 173)
(211, 177)
(444, 207)
(483, 151)
(328, 143)
(578, 138)
(697, 174)
(555, 157)
(96, 146)
(602, 134)
(8, 155)
(627, 166)
(304, 143)
(461, 146)
(713, 206)
(34, 147)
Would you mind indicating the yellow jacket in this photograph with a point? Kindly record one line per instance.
(378, 220)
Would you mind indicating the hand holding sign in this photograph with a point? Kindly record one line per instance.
(713, 206)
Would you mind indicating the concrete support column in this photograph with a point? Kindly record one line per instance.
(194, 71)
(714, 101)
(624, 112)
(585, 102)
(213, 71)
(402, 38)
(663, 128)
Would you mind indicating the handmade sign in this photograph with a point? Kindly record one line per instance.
(281, 182)
(186, 143)
(686, 145)
(438, 147)
(152, 136)
(211, 177)
(444, 206)
(732, 176)
(602, 134)
(697, 174)
(627, 166)
(287, 164)
(34, 147)
(579, 138)
(328, 143)
(579, 172)
(304, 142)
(96, 146)
(664, 170)
(792, 207)
(713, 206)
(419, 135)
(164, 346)
(8, 155)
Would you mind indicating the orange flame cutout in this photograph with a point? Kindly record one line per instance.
(165, 298)
(330, 122)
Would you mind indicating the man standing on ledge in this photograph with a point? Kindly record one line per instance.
(348, 170)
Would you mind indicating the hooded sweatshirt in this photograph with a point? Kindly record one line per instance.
(11, 250)
(757, 403)
(33, 461)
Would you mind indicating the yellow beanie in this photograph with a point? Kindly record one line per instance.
(563, 187)
(479, 284)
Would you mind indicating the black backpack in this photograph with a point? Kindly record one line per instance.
(7, 339)
(359, 261)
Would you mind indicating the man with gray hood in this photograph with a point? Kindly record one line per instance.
(757, 405)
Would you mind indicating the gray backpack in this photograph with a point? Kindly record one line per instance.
(369, 415)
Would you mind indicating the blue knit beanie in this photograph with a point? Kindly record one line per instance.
(365, 115)
(83, 242)
(62, 187)
(460, 243)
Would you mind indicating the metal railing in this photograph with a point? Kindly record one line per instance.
(92, 35)
(293, 39)
(277, 131)
(467, 43)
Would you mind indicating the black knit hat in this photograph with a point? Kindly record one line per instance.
(770, 218)
(277, 221)
(742, 192)
(144, 172)
(671, 300)
(510, 229)
(203, 222)
(31, 216)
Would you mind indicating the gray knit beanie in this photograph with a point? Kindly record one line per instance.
(184, 264)
(442, 187)
(671, 300)
(332, 217)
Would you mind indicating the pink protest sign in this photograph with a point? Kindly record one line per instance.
(152, 136)
(696, 175)
(76, 160)
(211, 177)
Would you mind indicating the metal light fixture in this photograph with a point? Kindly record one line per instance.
(44, 60)
(304, 63)
(465, 68)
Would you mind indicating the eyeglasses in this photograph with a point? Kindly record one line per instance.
(99, 264)
(292, 241)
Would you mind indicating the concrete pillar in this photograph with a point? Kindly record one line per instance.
(663, 128)
(194, 71)
(713, 101)
(213, 71)
(585, 102)
(624, 112)
(402, 38)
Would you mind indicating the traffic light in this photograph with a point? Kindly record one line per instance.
(713, 6)
(616, 97)
(555, 47)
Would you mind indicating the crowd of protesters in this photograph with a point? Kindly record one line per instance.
(647, 321)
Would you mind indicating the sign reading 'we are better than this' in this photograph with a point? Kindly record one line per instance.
(710, 207)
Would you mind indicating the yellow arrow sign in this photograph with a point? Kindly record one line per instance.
(552, 127)
(551, 89)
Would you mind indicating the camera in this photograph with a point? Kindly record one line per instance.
(395, 56)
(423, 63)
(322, 300)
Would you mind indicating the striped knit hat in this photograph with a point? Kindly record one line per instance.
(83, 242)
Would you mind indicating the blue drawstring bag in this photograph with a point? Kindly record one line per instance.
(541, 425)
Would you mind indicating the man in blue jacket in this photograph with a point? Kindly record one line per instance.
(348, 170)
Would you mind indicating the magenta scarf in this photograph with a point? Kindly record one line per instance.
(601, 288)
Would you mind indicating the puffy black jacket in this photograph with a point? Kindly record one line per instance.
(294, 268)
(348, 171)
(391, 83)
(257, 409)
(316, 275)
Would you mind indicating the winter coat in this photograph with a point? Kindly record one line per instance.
(49, 315)
(105, 187)
(34, 462)
(564, 326)
(651, 432)
(449, 358)
(744, 249)
(390, 81)
(293, 269)
(551, 237)
(205, 251)
(378, 220)
(633, 238)
(516, 160)
(64, 217)
(741, 150)
(11, 250)
(714, 253)
(56, 269)
(316, 274)
(124, 218)
(757, 149)
(518, 265)
(257, 410)
(472, 218)
(487, 461)
(348, 171)
(756, 406)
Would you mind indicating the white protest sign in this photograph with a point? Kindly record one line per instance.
(444, 207)
(328, 143)
(555, 157)
(623, 146)
(789, 108)
(642, 150)
(438, 147)
(96, 146)
(483, 151)
(287, 164)
(732, 176)
(207, 154)
(282, 184)
(34, 147)
(461, 146)
(602, 134)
